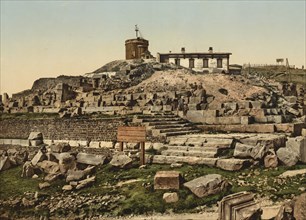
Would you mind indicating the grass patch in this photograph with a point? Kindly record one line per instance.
(12, 184)
(141, 198)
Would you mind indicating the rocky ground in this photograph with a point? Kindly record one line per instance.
(129, 192)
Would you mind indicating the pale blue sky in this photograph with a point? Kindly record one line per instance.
(49, 38)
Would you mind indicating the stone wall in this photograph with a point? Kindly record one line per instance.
(62, 129)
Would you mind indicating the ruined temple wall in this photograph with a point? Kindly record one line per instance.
(62, 129)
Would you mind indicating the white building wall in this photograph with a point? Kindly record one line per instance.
(198, 64)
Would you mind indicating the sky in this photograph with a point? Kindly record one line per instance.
(51, 38)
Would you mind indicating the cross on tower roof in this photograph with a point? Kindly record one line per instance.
(136, 29)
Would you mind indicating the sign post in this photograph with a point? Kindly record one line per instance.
(135, 135)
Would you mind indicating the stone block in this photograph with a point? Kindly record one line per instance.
(245, 120)
(231, 164)
(256, 104)
(91, 159)
(148, 146)
(206, 185)
(157, 146)
(24, 143)
(156, 108)
(1, 141)
(35, 136)
(291, 99)
(7, 141)
(4, 163)
(201, 115)
(15, 141)
(298, 145)
(39, 156)
(167, 180)
(83, 143)
(287, 156)
(121, 161)
(94, 144)
(106, 144)
(230, 106)
(244, 104)
(304, 132)
(167, 108)
(299, 207)
(60, 147)
(243, 150)
(73, 143)
(36, 143)
(271, 161)
(170, 197)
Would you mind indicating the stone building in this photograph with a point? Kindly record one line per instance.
(137, 48)
(200, 62)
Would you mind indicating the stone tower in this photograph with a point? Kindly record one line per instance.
(137, 48)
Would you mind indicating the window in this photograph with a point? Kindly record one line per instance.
(177, 62)
(191, 63)
(219, 63)
(205, 63)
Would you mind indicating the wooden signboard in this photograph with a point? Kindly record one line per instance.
(134, 135)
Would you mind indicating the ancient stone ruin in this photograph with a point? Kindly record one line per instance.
(228, 127)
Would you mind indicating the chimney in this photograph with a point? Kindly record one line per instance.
(183, 50)
(210, 50)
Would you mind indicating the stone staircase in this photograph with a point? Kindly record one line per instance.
(199, 150)
(166, 124)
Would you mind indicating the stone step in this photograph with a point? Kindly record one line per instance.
(174, 133)
(201, 154)
(205, 142)
(161, 119)
(187, 128)
(162, 159)
(156, 132)
(230, 164)
(172, 126)
(156, 116)
(164, 123)
(188, 148)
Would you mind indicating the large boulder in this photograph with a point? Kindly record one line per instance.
(121, 160)
(28, 170)
(298, 145)
(287, 156)
(39, 156)
(271, 161)
(207, 185)
(5, 163)
(75, 175)
(35, 138)
(60, 147)
(256, 152)
(49, 167)
(299, 207)
(19, 157)
(91, 159)
(170, 197)
(66, 162)
(231, 164)
(286, 211)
